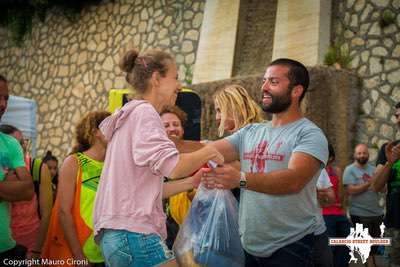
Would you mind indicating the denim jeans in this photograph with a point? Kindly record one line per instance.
(123, 248)
(297, 254)
(338, 226)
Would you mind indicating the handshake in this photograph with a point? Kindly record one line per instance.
(217, 173)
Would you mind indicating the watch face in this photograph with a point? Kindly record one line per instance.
(242, 183)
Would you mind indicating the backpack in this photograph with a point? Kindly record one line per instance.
(190, 102)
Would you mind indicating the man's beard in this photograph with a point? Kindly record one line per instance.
(278, 103)
(362, 161)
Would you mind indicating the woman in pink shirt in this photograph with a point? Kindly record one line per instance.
(128, 217)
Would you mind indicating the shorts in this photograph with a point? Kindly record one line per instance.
(122, 248)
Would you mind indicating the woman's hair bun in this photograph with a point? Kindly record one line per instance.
(127, 62)
(48, 153)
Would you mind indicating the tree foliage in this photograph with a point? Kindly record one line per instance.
(18, 15)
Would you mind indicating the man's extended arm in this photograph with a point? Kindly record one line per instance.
(226, 149)
(301, 169)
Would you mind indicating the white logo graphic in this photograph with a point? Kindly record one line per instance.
(360, 241)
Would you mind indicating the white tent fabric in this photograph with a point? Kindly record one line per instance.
(21, 113)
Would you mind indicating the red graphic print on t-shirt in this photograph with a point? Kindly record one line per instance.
(261, 154)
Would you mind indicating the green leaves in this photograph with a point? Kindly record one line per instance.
(338, 55)
(387, 18)
(18, 15)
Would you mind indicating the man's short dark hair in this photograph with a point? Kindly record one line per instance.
(3, 79)
(397, 105)
(298, 73)
(8, 129)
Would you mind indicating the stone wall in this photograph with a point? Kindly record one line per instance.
(255, 38)
(337, 121)
(68, 67)
(376, 53)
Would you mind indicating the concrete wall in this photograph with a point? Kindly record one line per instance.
(302, 30)
(255, 38)
(216, 50)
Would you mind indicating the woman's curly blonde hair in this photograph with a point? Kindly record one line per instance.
(234, 101)
(85, 129)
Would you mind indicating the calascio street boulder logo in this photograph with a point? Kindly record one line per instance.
(359, 241)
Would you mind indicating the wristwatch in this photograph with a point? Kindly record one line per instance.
(243, 180)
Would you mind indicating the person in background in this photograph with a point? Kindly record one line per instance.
(128, 216)
(322, 254)
(79, 178)
(30, 219)
(364, 205)
(234, 109)
(178, 205)
(335, 218)
(52, 163)
(388, 175)
(11, 159)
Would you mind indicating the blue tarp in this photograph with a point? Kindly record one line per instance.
(21, 113)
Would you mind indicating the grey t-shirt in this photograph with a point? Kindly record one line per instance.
(269, 222)
(366, 203)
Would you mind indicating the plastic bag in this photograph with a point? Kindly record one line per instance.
(209, 235)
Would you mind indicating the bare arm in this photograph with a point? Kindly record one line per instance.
(353, 189)
(190, 162)
(226, 149)
(301, 169)
(17, 190)
(66, 191)
(186, 146)
(45, 205)
(382, 172)
(381, 177)
(182, 185)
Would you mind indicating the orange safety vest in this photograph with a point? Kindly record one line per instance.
(56, 250)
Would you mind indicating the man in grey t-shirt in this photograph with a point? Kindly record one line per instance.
(280, 164)
(363, 200)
